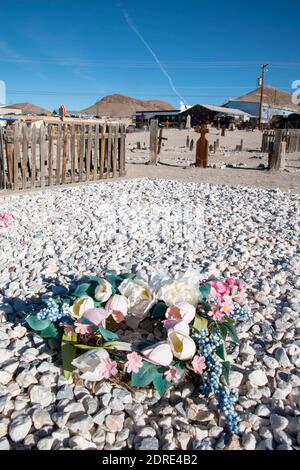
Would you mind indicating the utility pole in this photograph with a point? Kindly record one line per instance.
(264, 66)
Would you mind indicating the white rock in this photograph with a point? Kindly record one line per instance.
(78, 442)
(258, 378)
(41, 418)
(19, 428)
(235, 379)
(41, 395)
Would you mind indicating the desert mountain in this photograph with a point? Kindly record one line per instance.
(124, 106)
(29, 108)
(272, 96)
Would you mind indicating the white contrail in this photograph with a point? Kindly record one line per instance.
(136, 31)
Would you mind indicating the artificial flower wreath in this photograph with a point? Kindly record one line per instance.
(193, 319)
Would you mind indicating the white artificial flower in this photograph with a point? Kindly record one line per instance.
(182, 327)
(182, 345)
(183, 289)
(81, 305)
(88, 364)
(140, 298)
(103, 291)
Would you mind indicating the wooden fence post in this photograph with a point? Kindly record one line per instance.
(42, 155)
(24, 155)
(202, 149)
(109, 147)
(2, 162)
(153, 142)
(33, 156)
(103, 148)
(223, 131)
(16, 157)
(277, 154)
(122, 150)
(73, 153)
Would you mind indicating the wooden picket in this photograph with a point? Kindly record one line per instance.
(56, 154)
(290, 136)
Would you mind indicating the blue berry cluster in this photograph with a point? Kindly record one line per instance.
(239, 313)
(208, 342)
(54, 312)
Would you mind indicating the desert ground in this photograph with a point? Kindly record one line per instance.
(226, 166)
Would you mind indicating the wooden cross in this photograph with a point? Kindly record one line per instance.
(160, 139)
(202, 148)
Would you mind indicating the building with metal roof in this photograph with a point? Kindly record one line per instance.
(206, 114)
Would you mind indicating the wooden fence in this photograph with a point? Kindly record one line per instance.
(56, 154)
(290, 136)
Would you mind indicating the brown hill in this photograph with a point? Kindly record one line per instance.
(272, 96)
(29, 108)
(124, 106)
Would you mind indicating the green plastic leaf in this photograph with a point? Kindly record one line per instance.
(36, 324)
(95, 279)
(70, 339)
(160, 383)
(159, 310)
(107, 335)
(232, 331)
(81, 290)
(118, 345)
(143, 345)
(127, 275)
(145, 376)
(229, 320)
(226, 371)
(204, 291)
(86, 347)
(200, 323)
(50, 332)
(223, 330)
(68, 352)
(221, 352)
(115, 280)
(178, 366)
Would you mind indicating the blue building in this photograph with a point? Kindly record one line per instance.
(275, 102)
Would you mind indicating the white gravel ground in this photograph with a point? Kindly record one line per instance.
(149, 224)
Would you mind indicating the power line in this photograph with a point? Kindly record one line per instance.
(116, 63)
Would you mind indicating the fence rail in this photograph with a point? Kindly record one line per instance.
(290, 136)
(56, 154)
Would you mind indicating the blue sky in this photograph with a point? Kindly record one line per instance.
(75, 52)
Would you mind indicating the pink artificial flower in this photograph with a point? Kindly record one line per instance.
(68, 329)
(181, 311)
(82, 329)
(108, 368)
(173, 375)
(227, 307)
(198, 364)
(97, 316)
(5, 218)
(220, 287)
(230, 281)
(159, 354)
(214, 295)
(216, 314)
(117, 307)
(134, 362)
(169, 324)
